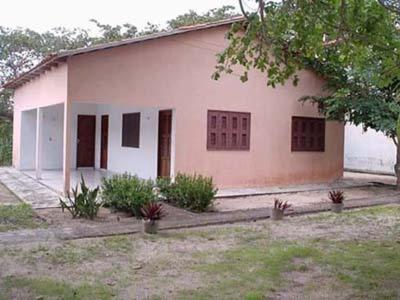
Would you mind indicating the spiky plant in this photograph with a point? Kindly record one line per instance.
(153, 211)
(281, 205)
(336, 196)
(82, 204)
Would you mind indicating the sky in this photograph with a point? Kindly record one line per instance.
(41, 15)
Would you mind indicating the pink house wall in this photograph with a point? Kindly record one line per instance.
(175, 72)
(48, 89)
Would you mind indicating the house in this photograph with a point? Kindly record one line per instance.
(148, 106)
(368, 151)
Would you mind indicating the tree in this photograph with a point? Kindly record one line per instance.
(354, 44)
(192, 18)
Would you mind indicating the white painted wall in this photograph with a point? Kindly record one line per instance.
(369, 151)
(52, 157)
(28, 140)
(141, 161)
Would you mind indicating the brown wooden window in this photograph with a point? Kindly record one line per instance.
(308, 134)
(228, 130)
(130, 130)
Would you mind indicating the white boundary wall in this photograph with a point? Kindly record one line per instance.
(369, 151)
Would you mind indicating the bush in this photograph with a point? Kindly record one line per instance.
(127, 193)
(163, 185)
(84, 204)
(5, 143)
(193, 192)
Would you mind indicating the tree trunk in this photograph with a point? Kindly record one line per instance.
(397, 167)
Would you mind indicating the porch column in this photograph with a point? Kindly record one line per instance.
(67, 146)
(39, 142)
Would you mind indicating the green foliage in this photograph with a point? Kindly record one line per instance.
(13, 217)
(193, 192)
(5, 143)
(192, 17)
(283, 36)
(127, 193)
(163, 186)
(84, 203)
(353, 45)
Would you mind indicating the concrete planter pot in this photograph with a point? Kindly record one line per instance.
(337, 207)
(277, 214)
(150, 226)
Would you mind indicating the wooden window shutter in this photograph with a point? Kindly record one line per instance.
(131, 130)
(308, 134)
(228, 130)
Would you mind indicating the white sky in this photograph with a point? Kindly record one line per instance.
(41, 15)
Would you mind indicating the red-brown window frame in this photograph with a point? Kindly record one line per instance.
(228, 130)
(308, 134)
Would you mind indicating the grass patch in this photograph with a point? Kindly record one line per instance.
(20, 216)
(371, 267)
(249, 272)
(75, 252)
(357, 215)
(32, 288)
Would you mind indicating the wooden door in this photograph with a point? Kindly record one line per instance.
(104, 142)
(86, 141)
(164, 143)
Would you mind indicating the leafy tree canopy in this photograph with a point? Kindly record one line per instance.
(192, 17)
(353, 44)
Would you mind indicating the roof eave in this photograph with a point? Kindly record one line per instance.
(54, 59)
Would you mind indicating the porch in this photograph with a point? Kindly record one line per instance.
(53, 179)
(61, 142)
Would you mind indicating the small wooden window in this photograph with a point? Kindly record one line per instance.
(308, 134)
(130, 130)
(228, 130)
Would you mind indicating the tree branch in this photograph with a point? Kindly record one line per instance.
(245, 14)
(395, 141)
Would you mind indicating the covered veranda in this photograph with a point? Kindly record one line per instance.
(61, 143)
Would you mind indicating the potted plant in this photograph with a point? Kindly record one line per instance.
(279, 209)
(337, 198)
(152, 213)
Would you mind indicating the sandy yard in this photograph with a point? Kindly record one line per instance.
(320, 256)
(300, 198)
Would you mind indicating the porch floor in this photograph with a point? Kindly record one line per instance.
(54, 178)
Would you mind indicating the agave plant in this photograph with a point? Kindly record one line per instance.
(153, 211)
(280, 205)
(82, 204)
(336, 197)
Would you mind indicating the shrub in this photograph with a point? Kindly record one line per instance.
(280, 205)
(5, 143)
(84, 204)
(125, 192)
(336, 197)
(193, 192)
(163, 184)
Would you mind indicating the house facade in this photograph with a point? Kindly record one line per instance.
(148, 106)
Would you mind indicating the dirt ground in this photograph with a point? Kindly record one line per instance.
(6, 197)
(300, 198)
(320, 256)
